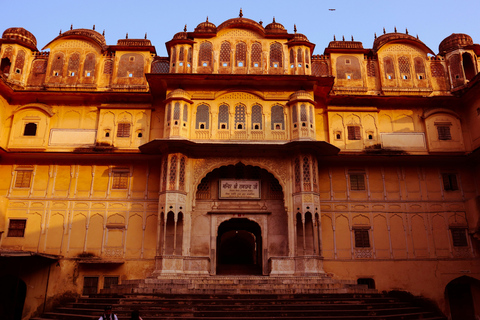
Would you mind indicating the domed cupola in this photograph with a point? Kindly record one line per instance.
(206, 27)
(275, 27)
(300, 52)
(84, 34)
(398, 37)
(454, 41)
(20, 36)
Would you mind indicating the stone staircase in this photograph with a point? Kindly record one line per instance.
(249, 297)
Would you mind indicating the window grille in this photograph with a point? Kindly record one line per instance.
(16, 228)
(437, 69)
(389, 68)
(40, 66)
(371, 68)
(169, 112)
(123, 130)
(205, 54)
(240, 117)
(174, 55)
(109, 282)
(306, 174)
(419, 65)
(241, 54)
(203, 189)
(277, 118)
(449, 181)
(23, 178)
(292, 57)
(297, 175)
(404, 65)
(276, 55)
(185, 113)
(57, 64)
(173, 172)
(225, 54)
(164, 173)
(108, 67)
(160, 67)
(73, 63)
(89, 64)
(120, 180)
(362, 238)
(223, 116)
(203, 114)
(314, 175)
(20, 60)
(181, 176)
(176, 111)
(444, 132)
(311, 114)
(256, 55)
(357, 181)
(459, 237)
(307, 56)
(257, 116)
(320, 69)
(354, 133)
(303, 113)
(300, 55)
(294, 114)
(181, 53)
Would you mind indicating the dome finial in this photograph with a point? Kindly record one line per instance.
(103, 34)
(126, 36)
(71, 27)
(395, 28)
(352, 38)
(295, 28)
(145, 35)
(406, 30)
(343, 38)
(334, 39)
(93, 27)
(207, 18)
(185, 29)
(383, 30)
(375, 35)
(241, 13)
(60, 32)
(273, 19)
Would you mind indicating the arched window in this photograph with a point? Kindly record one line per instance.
(256, 55)
(241, 54)
(419, 65)
(174, 55)
(299, 55)
(240, 117)
(294, 114)
(257, 117)
(225, 54)
(89, 65)
(223, 117)
(181, 54)
(456, 70)
(176, 111)
(437, 70)
(404, 67)
(205, 55)
(307, 56)
(303, 113)
(278, 118)
(389, 68)
(169, 112)
(20, 61)
(311, 115)
(468, 66)
(292, 57)
(57, 65)
(306, 174)
(203, 117)
(5, 65)
(73, 64)
(276, 55)
(185, 113)
(189, 55)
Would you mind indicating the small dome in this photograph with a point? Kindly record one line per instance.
(454, 41)
(21, 35)
(300, 37)
(94, 35)
(180, 36)
(179, 94)
(398, 37)
(275, 27)
(206, 27)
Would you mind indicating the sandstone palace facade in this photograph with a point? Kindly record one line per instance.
(241, 153)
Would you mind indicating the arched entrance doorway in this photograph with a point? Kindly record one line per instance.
(239, 247)
(463, 294)
(12, 297)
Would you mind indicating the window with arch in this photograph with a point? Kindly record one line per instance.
(419, 68)
(240, 117)
(257, 118)
(311, 116)
(303, 115)
(176, 112)
(256, 55)
(160, 66)
(276, 55)
(189, 55)
(277, 118)
(203, 116)
(307, 56)
(57, 65)
(181, 176)
(89, 65)
(389, 68)
(225, 54)
(205, 55)
(292, 58)
(306, 174)
(404, 67)
(174, 55)
(19, 61)
(298, 187)
(169, 112)
(354, 132)
(437, 70)
(181, 53)
(299, 55)
(320, 69)
(240, 54)
(223, 116)
(185, 113)
(294, 115)
(173, 172)
(73, 64)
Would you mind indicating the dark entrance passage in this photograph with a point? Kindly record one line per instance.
(12, 297)
(463, 295)
(239, 247)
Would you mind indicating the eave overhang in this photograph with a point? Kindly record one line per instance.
(161, 83)
(5, 253)
(201, 149)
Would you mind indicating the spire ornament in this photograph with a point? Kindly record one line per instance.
(241, 13)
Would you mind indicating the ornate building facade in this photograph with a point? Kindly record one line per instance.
(239, 153)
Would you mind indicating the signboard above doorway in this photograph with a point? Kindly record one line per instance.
(239, 189)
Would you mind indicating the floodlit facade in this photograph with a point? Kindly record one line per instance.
(239, 153)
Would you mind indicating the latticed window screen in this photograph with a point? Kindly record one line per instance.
(174, 54)
(357, 181)
(371, 68)
(300, 55)
(311, 114)
(362, 238)
(276, 55)
(241, 54)
(173, 172)
(320, 69)
(202, 117)
(20, 60)
(205, 54)
(314, 175)
(303, 113)
(203, 189)
(89, 65)
(189, 55)
(297, 175)
(40, 66)
(57, 64)
(444, 132)
(389, 68)
(419, 65)
(459, 237)
(23, 178)
(278, 118)
(223, 117)
(306, 174)
(292, 56)
(404, 65)
(438, 71)
(108, 67)
(276, 191)
(16, 228)
(181, 54)
(257, 117)
(176, 111)
(256, 55)
(449, 181)
(123, 130)
(225, 53)
(164, 173)
(354, 133)
(185, 113)
(239, 117)
(181, 175)
(74, 62)
(294, 114)
(160, 67)
(169, 112)
(307, 56)
(120, 180)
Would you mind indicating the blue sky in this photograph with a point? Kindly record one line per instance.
(432, 20)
